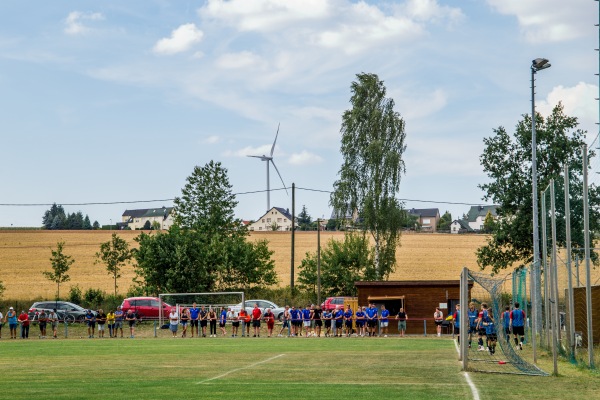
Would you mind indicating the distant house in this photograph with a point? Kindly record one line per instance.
(476, 216)
(277, 217)
(428, 218)
(136, 219)
(460, 226)
(346, 221)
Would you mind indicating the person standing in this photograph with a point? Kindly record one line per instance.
(327, 316)
(472, 315)
(505, 318)
(24, 321)
(243, 314)
(212, 317)
(11, 317)
(286, 321)
(456, 319)
(42, 320)
(360, 322)
(256, 315)
(517, 322)
(101, 320)
(339, 321)
(173, 321)
(119, 317)
(384, 322)
(110, 321)
(438, 318)
(1, 323)
(235, 323)
(203, 317)
(185, 319)
(90, 321)
(402, 317)
(194, 313)
(317, 315)
(481, 331)
(348, 314)
(53, 321)
(295, 320)
(223, 320)
(269, 318)
(371, 319)
(306, 322)
(130, 317)
(490, 331)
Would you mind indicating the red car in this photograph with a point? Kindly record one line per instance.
(146, 307)
(331, 303)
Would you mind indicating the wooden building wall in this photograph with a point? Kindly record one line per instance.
(420, 300)
(579, 303)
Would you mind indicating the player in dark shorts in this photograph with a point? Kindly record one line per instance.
(296, 320)
(130, 317)
(286, 321)
(42, 320)
(505, 317)
(194, 313)
(472, 314)
(480, 327)
(90, 320)
(203, 318)
(256, 316)
(223, 320)
(360, 322)
(348, 314)
(438, 318)
(490, 331)
(371, 319)
(456, 319)
(339, 322)
(316, 316)
(517, 321)
(327, 318)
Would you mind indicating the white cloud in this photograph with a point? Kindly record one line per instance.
(249, 151)
(304, 158)
(434, 156)
(430, 10)
(414, 104)
(550, 20)
(74, 22)
(213, 139)
(181, 39)
(578, 101)
(242, 60)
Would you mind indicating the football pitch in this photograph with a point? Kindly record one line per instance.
(263, 368)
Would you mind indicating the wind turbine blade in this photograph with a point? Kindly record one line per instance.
(277, 134)
(255, 156)
(286, 191)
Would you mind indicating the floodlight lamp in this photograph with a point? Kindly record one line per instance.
(539, 64)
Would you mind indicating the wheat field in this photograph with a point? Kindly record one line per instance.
(24, 255)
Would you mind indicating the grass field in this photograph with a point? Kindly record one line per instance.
(261, 368)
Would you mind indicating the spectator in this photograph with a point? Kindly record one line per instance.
(119, 317)
(317, 315)
(110, 321)
(42, 321)
(101, 320)
(194, 313)
(223, 320)
(402, 317)
(384, 322)
(212, 317)
(235, 322)
(173, 321)
(256, 314)
(53, 320)
(270, 320)
(11, 317)
(203, 317)
(286, 321)
(90, 320)
(24, 321)
(360, 322)
(348, 314)
(438, 318)
(185, 319)
(131, 318)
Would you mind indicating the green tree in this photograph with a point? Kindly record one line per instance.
(115, 254)
(87, 225)
(60, 266)
(207, 203)
(147, 226)
(342, 264)
(507, 162)
(55, 213)
(369, 179)
(155, 225)
(2, 289)
(332, 224)
(96, 225)
(445, 222)
(304, 220)
(489, 223)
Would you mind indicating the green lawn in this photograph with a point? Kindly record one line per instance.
(257, 368)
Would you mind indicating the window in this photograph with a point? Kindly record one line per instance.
(426, 221)
(284, 220)
(260, 228)
(278, 219)
(263, 220)
(155, 303)
(268, 219)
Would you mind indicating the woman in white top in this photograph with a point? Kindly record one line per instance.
(174, 321)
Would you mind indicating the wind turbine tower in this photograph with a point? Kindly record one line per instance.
(269, 160)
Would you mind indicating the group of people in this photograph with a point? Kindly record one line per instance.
(308, 321)
(482, 323)
(114, 321)
(14, 321)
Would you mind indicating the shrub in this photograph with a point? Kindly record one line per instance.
(75, 295)
(94, 297)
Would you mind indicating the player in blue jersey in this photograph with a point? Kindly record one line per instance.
(348, 314)
(339, 321)
(296, 320)
(327, 317)
(223, 320)
(490, 329)
(456, 319)
(194, 312)
(306, 321)
(360, 322)
(371, 319)
(384, 322)
(505, 319)
(472, 314)
(517, 322)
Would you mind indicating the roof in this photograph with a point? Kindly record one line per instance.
(481, 211)
(148, 212)
(408, 283)
(282, 211)
(425, 212)
(464, 224)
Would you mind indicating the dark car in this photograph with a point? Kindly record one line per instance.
(65, 310)
(146, 307)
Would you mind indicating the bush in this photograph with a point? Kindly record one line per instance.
(75, 295)
(94, 298)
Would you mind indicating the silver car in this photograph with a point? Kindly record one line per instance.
(263, 305)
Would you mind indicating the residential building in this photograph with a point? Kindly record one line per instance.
(276, 219)
(476, 216)
(460, 226)
(136, 219)
(428, 218)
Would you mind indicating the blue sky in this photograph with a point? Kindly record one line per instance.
(117, 101)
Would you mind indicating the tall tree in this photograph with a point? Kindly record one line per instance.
(115, 254)
(445, 221)
(507, 162)
(369, 179)
(60, 266)
(304, 219)
(207, 203)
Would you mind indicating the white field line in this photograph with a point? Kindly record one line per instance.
(240, 369)
(468, 378)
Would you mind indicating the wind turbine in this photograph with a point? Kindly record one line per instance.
(269, 159)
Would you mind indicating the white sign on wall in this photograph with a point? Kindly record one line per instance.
(443, 305)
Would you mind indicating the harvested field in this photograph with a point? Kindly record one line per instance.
(24, 255)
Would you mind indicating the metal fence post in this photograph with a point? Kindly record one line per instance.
(571, 308)
(546, 329)
(586, 236)
(554, 283)
(424, 327)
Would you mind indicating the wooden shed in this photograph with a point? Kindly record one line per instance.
(418, 298)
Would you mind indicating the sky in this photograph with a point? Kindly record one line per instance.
(116, 102)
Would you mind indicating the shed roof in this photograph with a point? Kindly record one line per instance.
(425, 212)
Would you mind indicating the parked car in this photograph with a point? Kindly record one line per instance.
(331, 303)
(146, 307)
(65, 310)
(263, 305)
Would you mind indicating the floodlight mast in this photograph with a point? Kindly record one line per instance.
(536, 65)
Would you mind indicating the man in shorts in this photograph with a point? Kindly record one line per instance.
(235, 323)
(371, 319)
(348, 314)
(119, 316)
(473, 315)
(384, 322)
(286, 321)
(490, 330)
(360, 322)
(481, 331)
(306, 320)
(295, 320)
(42, 320)
(90, 321)
(438, 319)
(194, 313)
(316, 317)
(223, 320)
(517, 322)
(456, 319)
(101, 320)
(402, 317)
(130, 318)
(256, 316)
(505, 318)
(53, 321)
(339, 321)
(110, 321)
